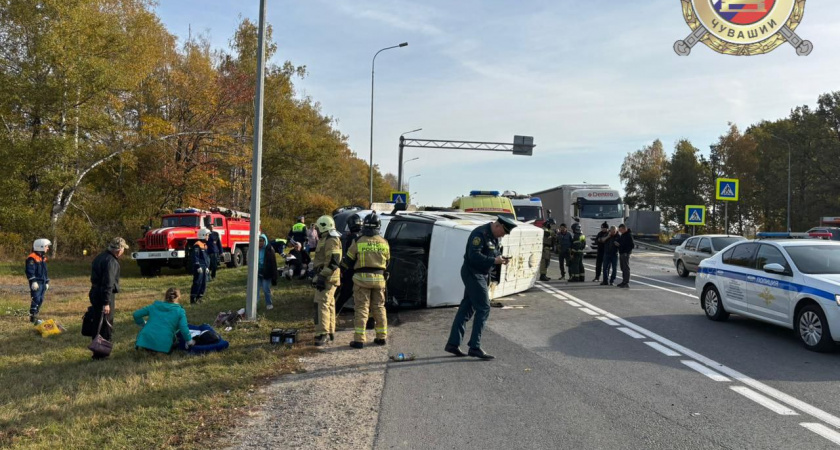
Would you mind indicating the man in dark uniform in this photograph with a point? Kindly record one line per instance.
(548, 244)
(482, 254)
(214, 251)
(563, 240)
(354, 225)
(599, 244)
(576, 270)
(104, 283)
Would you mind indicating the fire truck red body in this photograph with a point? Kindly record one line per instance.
(169, 245)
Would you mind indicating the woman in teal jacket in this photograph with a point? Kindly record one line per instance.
(166, 318)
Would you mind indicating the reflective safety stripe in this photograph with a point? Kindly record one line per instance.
(359, 330)
(382, 330)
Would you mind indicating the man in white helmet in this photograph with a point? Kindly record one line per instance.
(36, 274)
(201, 266)
(327, 278)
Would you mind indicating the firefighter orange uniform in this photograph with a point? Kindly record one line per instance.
(327, 260)
(369, 257)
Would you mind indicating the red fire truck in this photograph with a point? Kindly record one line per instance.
(169, 245)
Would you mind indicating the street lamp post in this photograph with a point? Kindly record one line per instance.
(372, 71)
(788, 188)
(413, 176)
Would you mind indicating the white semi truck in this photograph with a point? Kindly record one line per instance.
(589, 204)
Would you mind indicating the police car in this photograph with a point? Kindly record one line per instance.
(792, 283)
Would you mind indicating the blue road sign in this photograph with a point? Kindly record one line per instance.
(727, 189)
(399, 197)
(695, 215)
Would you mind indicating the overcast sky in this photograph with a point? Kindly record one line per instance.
(591, 81)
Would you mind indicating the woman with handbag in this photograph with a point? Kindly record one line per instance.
(166, 319)
(104, 285)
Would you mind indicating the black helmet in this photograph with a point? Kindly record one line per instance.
(549, 223)
(576, 227)
(372, 222)
(354, 223)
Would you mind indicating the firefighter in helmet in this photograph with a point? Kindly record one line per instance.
(201, 266)
(548, 244)
(576, 271)
(369, 257)
(354, 225)
(327, 278)
(36, 274)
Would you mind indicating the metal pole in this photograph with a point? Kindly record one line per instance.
(788, 199)
(726, 217)
(256, 176)
(400, 168)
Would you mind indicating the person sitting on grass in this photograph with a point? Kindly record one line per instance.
(166, 318)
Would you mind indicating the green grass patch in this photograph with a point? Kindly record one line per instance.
(52, 395)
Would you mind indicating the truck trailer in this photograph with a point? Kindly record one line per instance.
(589, 204)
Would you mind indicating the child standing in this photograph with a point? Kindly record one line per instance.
(36, 274)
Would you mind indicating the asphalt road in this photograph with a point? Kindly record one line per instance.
(585, 366)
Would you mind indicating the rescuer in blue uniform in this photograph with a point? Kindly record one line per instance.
(36, 275)
(482, 254)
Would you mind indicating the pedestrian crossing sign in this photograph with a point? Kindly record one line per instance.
(399, 197)
(695, 215)
(727, 189)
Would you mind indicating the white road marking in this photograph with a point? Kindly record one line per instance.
(571, 303)
(589, 311)
(777, 408)
(559, 297)
(607, 320)
(705, 370)
(823, 431)
(633, 276)
(665, 289)
(630, 333)
(737, 376)
(662, 349)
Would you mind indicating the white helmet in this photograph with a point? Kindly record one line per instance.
(41, 245)
(203, 234)
(325, 224)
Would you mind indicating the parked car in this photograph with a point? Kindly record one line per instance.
(833, 232)
(794, 283)
(689, 254)
(679, 238)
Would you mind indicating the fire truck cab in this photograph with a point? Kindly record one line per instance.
(169, 245)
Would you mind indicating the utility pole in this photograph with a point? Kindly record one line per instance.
(256, 176)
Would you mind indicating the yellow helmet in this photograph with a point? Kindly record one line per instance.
(325, 224)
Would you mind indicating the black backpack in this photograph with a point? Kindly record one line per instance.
(208, 337)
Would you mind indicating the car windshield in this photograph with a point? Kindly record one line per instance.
(601, 210)
(816, 259)
(720, 242)
(181, 221)
(528, 213)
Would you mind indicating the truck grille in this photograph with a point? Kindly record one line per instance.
(156, 242)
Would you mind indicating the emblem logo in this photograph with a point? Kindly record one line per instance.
(767, 296)
(743, 27)
(476, 241)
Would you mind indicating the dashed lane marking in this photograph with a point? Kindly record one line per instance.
(705, 370)
(589, 311)
(776, 407)
(607, 320)
(571, 303)
(823, 431)
(662, 349)
(630, 333)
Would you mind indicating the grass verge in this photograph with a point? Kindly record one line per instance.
(52, 395)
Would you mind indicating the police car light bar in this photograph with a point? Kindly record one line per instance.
(493, 193)
(535, 199)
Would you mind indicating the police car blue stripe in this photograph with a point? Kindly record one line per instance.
(785, 285)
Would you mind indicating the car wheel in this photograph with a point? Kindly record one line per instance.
(681, 270)
(713, 305)
(813, 329)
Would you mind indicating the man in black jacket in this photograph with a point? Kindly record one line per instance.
(104, 283)
(599, 244)
(625, 248)
(563, 241)
(610, 244)
(214, 251)
(267, 270)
